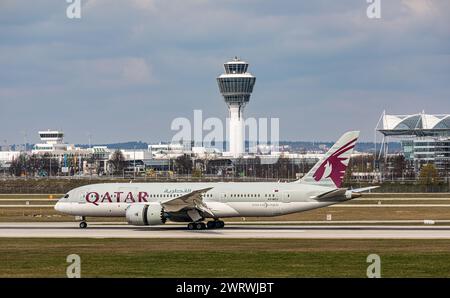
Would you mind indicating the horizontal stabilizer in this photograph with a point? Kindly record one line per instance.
(363, 189)
(331, 194)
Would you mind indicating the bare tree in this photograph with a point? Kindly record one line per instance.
(117, 162)
(18, 166)
(428, 175)
(184, 164)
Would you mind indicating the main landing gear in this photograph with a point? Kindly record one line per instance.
(214, 224)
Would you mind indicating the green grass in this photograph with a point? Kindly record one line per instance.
(223, 257)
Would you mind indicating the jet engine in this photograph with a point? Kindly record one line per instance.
(145, 215)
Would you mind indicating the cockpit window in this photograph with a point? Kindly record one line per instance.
(66, 196)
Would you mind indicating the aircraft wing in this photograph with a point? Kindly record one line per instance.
(192, 200)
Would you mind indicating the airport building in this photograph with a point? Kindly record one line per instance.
(6, 158)
(236, 86)
(425, 139)
(52, 142)
(432, 150)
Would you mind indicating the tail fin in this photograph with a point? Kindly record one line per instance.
(330, 170)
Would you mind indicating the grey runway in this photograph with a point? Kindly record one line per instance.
(98, 230)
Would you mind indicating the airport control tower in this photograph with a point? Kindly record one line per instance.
(236, 86)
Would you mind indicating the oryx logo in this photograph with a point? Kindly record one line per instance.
(334, 166)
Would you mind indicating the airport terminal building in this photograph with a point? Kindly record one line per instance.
(425, 139)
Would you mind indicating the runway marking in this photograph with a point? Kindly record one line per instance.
(71, 230)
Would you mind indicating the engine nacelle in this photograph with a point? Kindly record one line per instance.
(145, 215)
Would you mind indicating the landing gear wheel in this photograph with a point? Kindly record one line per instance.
(220, 224)
(211, 224)
(216, 224)
(83, 225)
(196, 226)
(200, 226)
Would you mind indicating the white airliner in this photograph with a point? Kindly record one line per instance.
(155, 203)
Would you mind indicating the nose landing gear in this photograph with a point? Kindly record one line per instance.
(83, 223)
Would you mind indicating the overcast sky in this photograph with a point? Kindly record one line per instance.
(126, 69)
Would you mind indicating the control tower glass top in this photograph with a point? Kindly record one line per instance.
(235, 66)
(236, 84)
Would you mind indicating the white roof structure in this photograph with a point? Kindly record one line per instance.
(414, 125)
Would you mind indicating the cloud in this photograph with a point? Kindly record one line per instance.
(421, 8)
(148, 5)
(311, 58)
(113, 73)
(137, 71)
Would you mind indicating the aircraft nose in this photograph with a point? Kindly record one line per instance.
(59, 207)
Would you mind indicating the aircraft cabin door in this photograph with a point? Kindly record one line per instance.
(285, 197)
